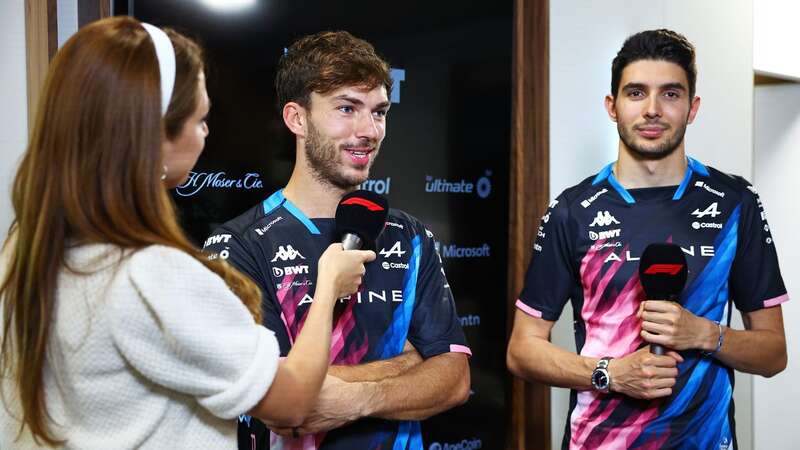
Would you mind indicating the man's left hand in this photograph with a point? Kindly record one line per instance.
(339, 403)
(670, 325)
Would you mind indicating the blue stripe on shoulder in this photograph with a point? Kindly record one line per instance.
(603, 174)
(694, 166)
(697, 166)
(684, 183)
(273, 202)
(621, 190)
(277, 199)
(607, 173)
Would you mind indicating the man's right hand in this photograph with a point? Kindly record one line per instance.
(341, 270)
(644, 375)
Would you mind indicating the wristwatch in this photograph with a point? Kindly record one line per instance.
(601, 379)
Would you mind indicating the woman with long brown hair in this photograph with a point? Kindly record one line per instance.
(116, 331)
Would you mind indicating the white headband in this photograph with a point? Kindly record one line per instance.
(165, 54)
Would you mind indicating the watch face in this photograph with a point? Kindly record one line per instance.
(600, 379)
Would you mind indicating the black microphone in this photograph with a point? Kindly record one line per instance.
(662, 272)
(360, 218)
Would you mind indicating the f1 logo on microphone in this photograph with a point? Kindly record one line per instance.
(363, 202)
(671, 269)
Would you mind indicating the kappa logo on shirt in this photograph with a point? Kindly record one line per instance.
(604, 219)
(287, 253)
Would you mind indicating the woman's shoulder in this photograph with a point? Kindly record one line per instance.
(96, 257)
(159, 271)
(170, 282)
(168, 265)
(158, 256)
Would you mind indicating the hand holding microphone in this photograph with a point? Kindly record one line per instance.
(652, 374)
(343, 269)
(665, 323)
(360, 218)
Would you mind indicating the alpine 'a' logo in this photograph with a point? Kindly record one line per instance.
(395, 250)
(711, 210)
(604, 219)
(286, 253)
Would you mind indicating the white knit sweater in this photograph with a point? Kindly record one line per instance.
(149, 351)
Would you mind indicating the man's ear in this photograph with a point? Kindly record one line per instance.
(609, 104)
(694, 106)
(294, 116)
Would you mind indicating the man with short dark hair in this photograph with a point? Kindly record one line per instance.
(398, 353)
(588, 248)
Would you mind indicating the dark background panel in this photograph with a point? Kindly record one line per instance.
(450, 130)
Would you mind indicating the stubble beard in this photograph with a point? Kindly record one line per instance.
(323, 160)
(661, 151)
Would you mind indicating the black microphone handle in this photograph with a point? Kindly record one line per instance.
(351, 241)
(658, 349)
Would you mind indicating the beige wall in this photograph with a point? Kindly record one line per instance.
(13, 114)
(777, 159)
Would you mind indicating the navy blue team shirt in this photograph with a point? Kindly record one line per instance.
(587, 250)
(404, 296)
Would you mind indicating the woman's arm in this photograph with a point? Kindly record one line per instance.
(294, 391)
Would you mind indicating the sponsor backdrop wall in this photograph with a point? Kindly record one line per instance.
(585, 36)
(445, 158)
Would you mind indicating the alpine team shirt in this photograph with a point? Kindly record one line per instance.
(587, 250)
(404, 296)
